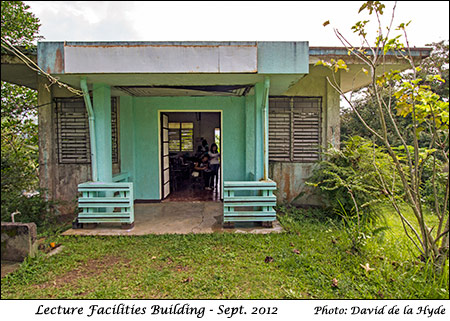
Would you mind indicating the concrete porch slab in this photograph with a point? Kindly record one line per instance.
(176, 218)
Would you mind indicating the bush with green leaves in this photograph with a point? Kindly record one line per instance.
(406, 94)
(433, 180)
(19, 148)
(348, 181)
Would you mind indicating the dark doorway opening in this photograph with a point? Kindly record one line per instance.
(191, 170)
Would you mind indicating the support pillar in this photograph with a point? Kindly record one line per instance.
(259, 135)
(332, 117)
(265, 128)
(250, 137)
(102, 113)
(48, 169)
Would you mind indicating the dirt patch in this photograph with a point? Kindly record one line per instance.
(170, 264)
(85, 270)
(9, 267)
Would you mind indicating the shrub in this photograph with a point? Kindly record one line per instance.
(427, 186)
(347, 179)
(19, 182)
(33, 208)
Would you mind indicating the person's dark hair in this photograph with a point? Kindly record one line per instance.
(212, 147)
(204, 142)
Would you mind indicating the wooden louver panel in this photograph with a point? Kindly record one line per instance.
(114, 131)
(279, 129)
(72, 132)
(72, 129)
(294, 129)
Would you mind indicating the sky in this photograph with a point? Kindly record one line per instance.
(231, 21)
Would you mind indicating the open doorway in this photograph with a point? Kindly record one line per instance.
(190, 156)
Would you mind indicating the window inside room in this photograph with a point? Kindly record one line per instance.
(181, 136)
(217, 138)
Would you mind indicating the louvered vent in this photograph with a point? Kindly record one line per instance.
(294, 129)
(114, 131)
(73, 131)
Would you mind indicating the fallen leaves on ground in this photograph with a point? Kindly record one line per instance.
(335, 283)
(366, 267)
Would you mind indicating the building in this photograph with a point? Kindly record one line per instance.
(138, 105)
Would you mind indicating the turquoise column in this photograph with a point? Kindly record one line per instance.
(265, 110)
(250, 138)
(102, 113)
(259, 134)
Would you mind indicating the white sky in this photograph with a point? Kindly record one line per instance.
(229, 21)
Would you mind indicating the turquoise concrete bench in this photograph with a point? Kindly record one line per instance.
(106, 203)
(258, 208)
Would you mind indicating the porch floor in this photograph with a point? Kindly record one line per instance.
(176, 218)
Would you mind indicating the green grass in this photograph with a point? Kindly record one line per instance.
(231, 266)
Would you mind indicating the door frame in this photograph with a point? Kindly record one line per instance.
(162, 156)
(164, 111)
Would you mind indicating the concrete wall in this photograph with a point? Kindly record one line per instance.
(242, 140)
(139, 122)
(291, 177)
(59, 181)
(18, 241)
(265, 57)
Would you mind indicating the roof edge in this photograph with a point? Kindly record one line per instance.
(343, 51)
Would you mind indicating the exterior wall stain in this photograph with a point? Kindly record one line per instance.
(292, 73)
(291, 182)
(59, 62)
(68, 177)
(291, 177)
(58, 181)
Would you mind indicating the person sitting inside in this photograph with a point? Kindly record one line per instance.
(199, 154)
(205, 148)
(203, 167)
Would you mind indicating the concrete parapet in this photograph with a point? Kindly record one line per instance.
(18, 241)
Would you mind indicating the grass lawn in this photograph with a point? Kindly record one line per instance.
(311, 260)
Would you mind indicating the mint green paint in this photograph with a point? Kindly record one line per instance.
(91, 119)
(126, 146)
(102, 113)
(266, 127)
(255, 127)
(259, 139)
(139, 134)
(278, 57)
(250, 144)
(99, 199)
(258, 198)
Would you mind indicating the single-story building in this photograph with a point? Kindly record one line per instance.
(131, 129)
